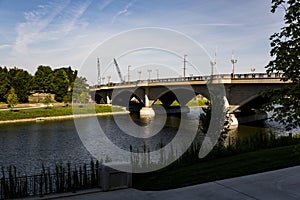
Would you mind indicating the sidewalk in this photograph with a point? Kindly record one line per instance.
(283, 184)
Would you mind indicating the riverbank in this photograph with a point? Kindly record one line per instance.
(38, 114)
(219, 168)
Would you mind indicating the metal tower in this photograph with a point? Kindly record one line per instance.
(99, 74)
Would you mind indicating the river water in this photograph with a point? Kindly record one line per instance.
(29, 145)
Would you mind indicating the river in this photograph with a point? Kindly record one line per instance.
(29, 145)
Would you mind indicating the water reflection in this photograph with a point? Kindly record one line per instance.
(28, 145)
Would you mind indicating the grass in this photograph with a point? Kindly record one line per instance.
(54, 111)
(191, 103)
(195, 103)
(219, 168)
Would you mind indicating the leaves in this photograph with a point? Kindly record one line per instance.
(45, 80)
(12, 98)
(286, 49)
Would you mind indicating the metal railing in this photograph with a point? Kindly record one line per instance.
(197, 78)
(46, 183)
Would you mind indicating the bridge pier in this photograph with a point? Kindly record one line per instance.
(234, 120)
(108, 100)
(147, 111)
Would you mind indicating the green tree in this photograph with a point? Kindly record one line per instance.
(12, 98)
(20, 80)
(47, 100)
(4, 84)
(286, 52)
(42, 81)
(80, 90)
(68, 97)
(61, 84)
(205, 119)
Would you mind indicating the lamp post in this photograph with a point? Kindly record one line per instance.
(212, 65)
(157, 73)
(253, 70)
(233, 61)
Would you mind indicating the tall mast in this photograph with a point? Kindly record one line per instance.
(99, 74)
(184, 65)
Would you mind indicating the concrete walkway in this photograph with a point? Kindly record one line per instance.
(281, 184)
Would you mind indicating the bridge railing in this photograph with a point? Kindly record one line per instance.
(197, 78)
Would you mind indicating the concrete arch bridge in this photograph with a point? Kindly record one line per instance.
(242, 91)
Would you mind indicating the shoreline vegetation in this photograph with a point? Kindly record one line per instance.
(57, 112)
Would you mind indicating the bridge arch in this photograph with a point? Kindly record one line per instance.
(129, 98)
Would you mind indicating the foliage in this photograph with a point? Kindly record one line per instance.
(68, 97)
(254, 154)
(43, 79)
(217, 169)
(286, 52)
(12, 98)
(18, 79)
(80, 90)
(61, 84)
(65, 178)
(205, 119)
(47, 100)
(4, 84)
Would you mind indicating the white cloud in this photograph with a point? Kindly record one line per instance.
(103, 5)
(122, 12)
(4, 46)
(35, 22)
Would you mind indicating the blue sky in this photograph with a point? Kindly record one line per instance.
(64, 33)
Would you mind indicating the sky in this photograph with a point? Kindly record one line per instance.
(60, 33)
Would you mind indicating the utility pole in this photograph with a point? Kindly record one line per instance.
(99, 74)
(184, 65)
(128, 78)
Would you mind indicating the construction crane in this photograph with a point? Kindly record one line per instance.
(118, 69)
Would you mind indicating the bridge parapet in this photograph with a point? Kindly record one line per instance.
(224, 78)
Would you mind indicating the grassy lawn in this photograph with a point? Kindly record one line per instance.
(220, 168)
(54, 111)
(195, 103)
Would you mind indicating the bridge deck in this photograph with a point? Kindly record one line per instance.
(253, 78)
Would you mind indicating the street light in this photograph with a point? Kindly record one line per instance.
(212, 65)
(253, 70)
(108, 79)
(149, 74)
(157, 73)
(233, 61)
